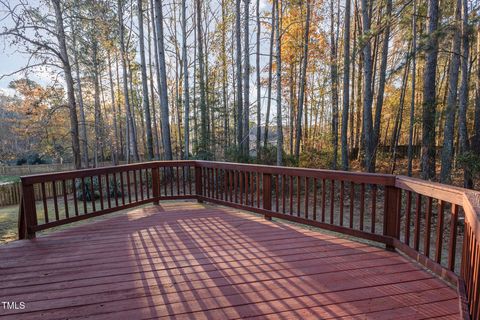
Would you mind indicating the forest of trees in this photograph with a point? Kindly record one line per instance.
(391, 86)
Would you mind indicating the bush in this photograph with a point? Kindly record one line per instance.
(315, 158)
(89, 196)
(31, 159)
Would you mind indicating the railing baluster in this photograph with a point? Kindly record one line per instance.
(362, 205)
(374, 207)
(284, 183)
(44, 199)
(277, 185)
(75, 202)
(342, 192)
(258, 190)
(177, 174)
(231, 177)
(438, 249)
(307, 185)
(408, 210)
(315, 199)
(291, 195)
(156, 185)
(299, 190)
(453, 237)
(147, 183)
(100, 188)
(324, 185)
(65, 201)
(352, 202)
(135, 187)
(107, 182)
(92, 194)
(428, 218)
(235, 185)
(84, 197)
(55, 200)
(140, 178)
(252, 189)
(170, 177)
(246, 188)
(332, 201)
(418, 209)
(115, 188)
(129, 187)
(183, 181)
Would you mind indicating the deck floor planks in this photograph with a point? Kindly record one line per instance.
(194, 261)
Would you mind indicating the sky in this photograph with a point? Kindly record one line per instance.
(11, 61)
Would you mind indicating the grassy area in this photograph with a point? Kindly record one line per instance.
(8, 223)
(7, 179)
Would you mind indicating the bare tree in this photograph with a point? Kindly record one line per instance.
(346, 85)
(186, 88)
(303, 76)
(163, 90)
(279, 83)
(429, 94)
(143, 68)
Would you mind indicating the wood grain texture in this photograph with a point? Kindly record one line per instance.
(189, 260)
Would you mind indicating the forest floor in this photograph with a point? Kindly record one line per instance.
(384, 165)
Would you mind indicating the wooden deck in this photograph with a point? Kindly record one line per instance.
(188, 260)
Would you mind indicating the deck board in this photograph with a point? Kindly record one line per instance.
(189, 261)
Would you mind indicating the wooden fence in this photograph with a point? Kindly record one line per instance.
(10, 194)
(40, 168)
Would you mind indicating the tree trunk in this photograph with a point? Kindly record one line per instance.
(239, 92)
(346, 85)
(163, 90)
(279, 85)
(82, 126)
(72, 107)
(143, 68)
(129, 129)
(381, 84)
(116, 146)
(429, 94)
(203, 147)
(334, 84)
(463, 98)
(412, 99)
(303, 76)
(450, 112)
(246, 81)
(259, 96)
(367, 90)
(186, 88)
(96, 103)
(270, 70)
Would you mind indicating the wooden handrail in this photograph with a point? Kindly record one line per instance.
(345, 202)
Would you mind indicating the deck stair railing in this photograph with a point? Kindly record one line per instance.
(436, 225)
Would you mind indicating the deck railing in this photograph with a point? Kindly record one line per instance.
(434, 224)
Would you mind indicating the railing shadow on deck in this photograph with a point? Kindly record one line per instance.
(434, 224)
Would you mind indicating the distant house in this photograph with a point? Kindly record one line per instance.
(272, 137)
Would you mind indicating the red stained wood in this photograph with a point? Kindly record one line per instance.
(191, 261)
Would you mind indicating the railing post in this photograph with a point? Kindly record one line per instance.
(22, 225)
(267, 193)
(198, 182)
(155, 185)
(30, 210)
(391, 221)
